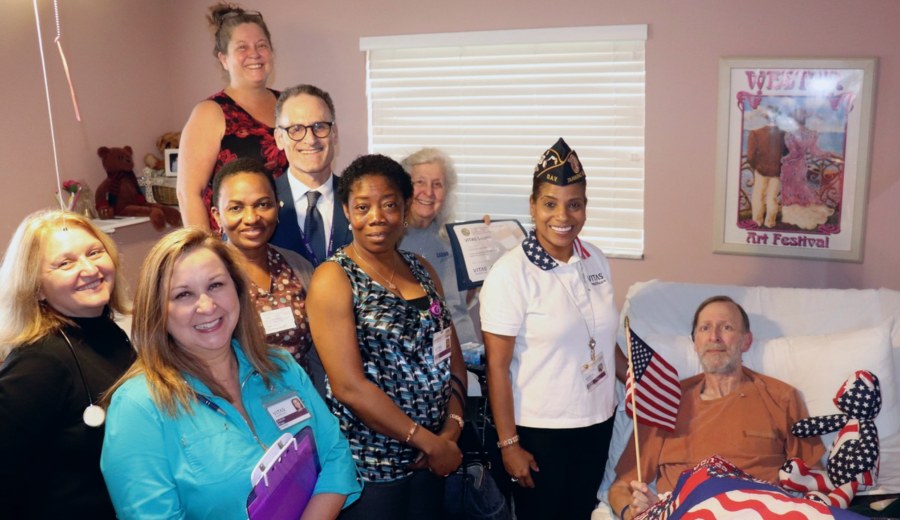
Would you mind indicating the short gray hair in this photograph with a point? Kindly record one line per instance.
(437, 156)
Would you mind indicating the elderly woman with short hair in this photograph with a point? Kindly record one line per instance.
(434, 181)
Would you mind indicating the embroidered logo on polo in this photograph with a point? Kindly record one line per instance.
(596, 279)
(396, 350)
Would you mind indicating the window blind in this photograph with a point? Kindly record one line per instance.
(495, 100)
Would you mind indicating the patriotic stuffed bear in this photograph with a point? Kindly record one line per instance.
(853, 461)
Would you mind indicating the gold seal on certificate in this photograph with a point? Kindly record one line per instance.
(476, 246)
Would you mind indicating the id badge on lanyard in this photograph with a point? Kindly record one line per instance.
(594, 372)
(287, 410)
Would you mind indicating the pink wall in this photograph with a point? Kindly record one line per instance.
(143, 67)
(119, 72)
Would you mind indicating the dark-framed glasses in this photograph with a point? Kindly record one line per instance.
(320, 129)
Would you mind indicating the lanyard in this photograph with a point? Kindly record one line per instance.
(590, 328)
(328, 250)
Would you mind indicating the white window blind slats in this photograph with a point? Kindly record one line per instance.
(495, 108)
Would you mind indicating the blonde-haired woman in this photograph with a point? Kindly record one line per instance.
(61, 286)
(188, 423)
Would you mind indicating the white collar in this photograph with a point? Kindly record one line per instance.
(299, 189)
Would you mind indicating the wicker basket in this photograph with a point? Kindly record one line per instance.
(165, 195)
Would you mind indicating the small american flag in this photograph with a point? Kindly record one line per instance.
(658, 392)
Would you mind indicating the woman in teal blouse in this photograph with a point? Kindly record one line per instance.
(188, 423)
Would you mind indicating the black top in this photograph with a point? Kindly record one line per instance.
(49, 459)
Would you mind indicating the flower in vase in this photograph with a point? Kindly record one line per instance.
(74, 190)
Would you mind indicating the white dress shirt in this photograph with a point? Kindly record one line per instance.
(325, 204)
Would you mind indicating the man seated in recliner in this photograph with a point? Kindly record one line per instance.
(727, 410)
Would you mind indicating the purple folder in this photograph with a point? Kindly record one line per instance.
(284, 479)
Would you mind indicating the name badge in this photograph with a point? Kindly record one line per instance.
(441, 346)
(288, 410)
(278, 320)
(594, 372)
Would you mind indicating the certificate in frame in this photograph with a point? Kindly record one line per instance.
(476, 246)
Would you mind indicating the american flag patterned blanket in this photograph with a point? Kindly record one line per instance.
(716, 489)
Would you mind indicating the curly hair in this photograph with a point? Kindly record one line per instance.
(374, 164)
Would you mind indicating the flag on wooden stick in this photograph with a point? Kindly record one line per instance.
(652, 392)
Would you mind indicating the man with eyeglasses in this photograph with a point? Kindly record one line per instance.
(310, 220)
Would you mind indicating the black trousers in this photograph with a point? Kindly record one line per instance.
(571, 463)
(419, 496)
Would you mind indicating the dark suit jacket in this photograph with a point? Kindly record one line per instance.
(287, 233)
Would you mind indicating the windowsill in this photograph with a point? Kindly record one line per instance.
(109, 226)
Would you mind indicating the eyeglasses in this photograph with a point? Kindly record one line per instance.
(320, 129)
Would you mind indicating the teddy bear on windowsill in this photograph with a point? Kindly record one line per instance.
(119, 194)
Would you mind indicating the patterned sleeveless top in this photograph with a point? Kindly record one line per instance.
(395, 342)
(244, 137)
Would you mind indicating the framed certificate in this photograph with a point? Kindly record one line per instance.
(476, 246)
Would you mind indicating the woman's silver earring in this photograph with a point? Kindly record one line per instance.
(349, 227)
(406, 223)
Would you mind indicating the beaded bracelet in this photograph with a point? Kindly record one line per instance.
(412, 431)
(508, 442)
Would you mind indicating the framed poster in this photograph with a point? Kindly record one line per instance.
(793, 156)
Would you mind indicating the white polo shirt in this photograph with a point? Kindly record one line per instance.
(546, 311)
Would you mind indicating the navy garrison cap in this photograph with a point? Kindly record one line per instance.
(559, 165)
